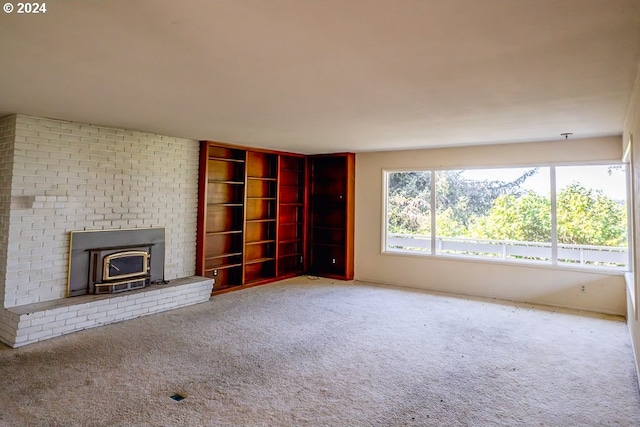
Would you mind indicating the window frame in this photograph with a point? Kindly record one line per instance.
(552, 263)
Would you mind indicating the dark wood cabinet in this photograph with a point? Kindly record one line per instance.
(331, 215)
(266, 215)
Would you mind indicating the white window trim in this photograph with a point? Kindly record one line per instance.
(553, 263)
(554, 216)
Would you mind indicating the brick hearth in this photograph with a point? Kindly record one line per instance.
(44, 320)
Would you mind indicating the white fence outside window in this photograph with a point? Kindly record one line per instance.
(605, 256)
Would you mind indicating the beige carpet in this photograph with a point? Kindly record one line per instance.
(321, 353)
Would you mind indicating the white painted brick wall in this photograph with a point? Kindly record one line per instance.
(72, 176)
(8, 326)
(7, 138)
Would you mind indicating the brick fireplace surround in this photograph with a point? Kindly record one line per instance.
(57, 177)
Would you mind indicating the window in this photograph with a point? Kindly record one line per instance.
(592, 215)
(560, 215)
(409, 211)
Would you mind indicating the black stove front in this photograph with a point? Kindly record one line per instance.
(119, 269)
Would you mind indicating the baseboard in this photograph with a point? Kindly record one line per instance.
(620, 316)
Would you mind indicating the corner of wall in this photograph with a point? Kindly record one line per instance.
(632, 127)
(7, 146)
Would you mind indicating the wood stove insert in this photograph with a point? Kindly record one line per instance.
(111, 261)
(119, 269)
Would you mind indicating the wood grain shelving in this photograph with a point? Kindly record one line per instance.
(221, 220)
(265, 215)
(331, 215)
(291, 215)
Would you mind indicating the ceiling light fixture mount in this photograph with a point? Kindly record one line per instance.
(566, 134)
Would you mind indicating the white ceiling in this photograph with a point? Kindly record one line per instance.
(316, 76)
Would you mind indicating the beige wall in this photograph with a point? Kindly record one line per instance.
(632, 127)
(543, 285)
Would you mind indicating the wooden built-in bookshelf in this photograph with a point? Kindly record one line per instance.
(331, 212)
(261, 217)
(266, 215)
(291, 215)
(221, 215)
